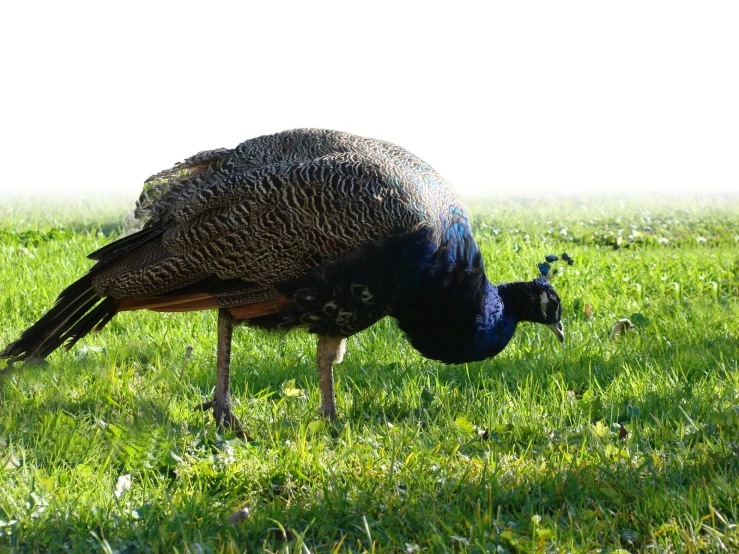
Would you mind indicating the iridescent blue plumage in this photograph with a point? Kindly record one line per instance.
(439, 295)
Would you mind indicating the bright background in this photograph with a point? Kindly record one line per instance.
(501, 97)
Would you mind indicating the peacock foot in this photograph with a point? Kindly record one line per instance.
(225, 418)
(329, 412)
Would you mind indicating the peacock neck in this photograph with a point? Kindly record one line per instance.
(459, 328)
(450, 311)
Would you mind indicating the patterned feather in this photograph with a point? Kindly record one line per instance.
(306, 228)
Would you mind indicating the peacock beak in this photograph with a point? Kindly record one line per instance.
(558, 330)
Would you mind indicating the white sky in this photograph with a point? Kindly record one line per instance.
(501, 97)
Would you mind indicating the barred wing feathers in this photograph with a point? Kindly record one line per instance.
(264, 226)
(168, 189)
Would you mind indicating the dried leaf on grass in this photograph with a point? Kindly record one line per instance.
(622, 325)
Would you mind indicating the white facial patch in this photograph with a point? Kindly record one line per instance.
(544, 301)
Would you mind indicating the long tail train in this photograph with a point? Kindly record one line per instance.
(77, 311)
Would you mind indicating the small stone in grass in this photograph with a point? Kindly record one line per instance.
(122, 485)
(239, 516)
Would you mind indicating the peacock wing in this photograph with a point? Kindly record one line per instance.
(264, 226)
(166, 190)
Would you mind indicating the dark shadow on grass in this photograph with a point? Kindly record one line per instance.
(410, 508)
(614, 504)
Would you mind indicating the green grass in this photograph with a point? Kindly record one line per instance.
(608, 443)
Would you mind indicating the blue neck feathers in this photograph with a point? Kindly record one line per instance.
(446, 306)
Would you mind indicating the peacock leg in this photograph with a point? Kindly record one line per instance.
(330, 351)
(221, 404)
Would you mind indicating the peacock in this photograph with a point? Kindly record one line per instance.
(308, 228)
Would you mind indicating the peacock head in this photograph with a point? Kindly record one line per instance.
(546, 307)
(536, 300)
(549, 303)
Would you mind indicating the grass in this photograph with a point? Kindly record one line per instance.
(611, 444)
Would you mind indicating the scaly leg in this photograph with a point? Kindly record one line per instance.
(330, 351)
(221, 404)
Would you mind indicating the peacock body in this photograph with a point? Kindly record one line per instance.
(306, 228)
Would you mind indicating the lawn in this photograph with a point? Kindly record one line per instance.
(611, 443)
